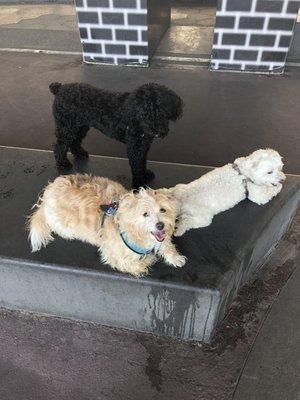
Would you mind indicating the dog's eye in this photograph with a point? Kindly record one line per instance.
(162, 210)
(145, 214)
(270, 172)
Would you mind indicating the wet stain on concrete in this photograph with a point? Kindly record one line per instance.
(4, 175)
(29, 170)
(42, 169)
(234, 327)
(6, 194)
(154, 348)
(173, 313)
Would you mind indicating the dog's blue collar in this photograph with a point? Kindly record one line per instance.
(142, 251)
(110, 210)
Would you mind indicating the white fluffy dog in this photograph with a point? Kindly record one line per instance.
(130, 229)
(257, 177)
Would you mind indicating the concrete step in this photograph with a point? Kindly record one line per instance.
(180, 61)
(67, 279)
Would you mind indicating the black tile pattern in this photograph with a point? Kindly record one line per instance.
(97, 33)
(97, 3)
(124, 3)
(113, 31)
(112, 18)
(262, 40)
(127, 34)
(234, 38)
(83, 33)
(269, 6)
(251, 23)
(253, 35)
(88, 17)
(238, 5)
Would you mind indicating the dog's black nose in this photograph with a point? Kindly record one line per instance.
(160, 226)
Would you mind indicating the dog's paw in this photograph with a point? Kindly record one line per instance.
(178, 261)
(175, 260)
(179, 231)
(81, 154)
(65, 165)
(149, 175)
(137, 184)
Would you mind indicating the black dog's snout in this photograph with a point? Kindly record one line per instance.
(160, 226)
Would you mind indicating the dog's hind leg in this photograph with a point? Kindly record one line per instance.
(192, 222)
(65, 134)
(148, 174)
(75, 146)
(60, 153)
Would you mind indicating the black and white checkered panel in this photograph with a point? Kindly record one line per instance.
(113, 31)
(253, 35)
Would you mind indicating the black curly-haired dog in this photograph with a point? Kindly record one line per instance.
(134, 118)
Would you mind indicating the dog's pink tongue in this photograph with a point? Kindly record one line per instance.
(159, 235)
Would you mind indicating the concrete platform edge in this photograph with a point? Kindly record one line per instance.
(115, 300)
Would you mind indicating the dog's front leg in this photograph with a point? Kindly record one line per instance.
(170, 254)
(137, 150)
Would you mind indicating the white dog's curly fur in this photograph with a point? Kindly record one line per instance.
(129, 240)
(257, 177)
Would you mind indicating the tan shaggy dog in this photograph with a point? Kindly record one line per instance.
(130, 238)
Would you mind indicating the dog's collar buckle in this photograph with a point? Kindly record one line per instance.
(109, 209)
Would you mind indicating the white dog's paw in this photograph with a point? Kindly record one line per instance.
(177, 261)
(179, 231)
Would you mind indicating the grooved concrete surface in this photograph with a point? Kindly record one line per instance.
(226, 114)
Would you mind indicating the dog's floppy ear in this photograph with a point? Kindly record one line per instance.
(175, 106)
(151, 107)
(240, 162)
(247, 165)
(128, 199)
(167, 192)
(138, 113)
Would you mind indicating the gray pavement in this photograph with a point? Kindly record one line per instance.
(226, 114)
(40, 27)
(272, 370)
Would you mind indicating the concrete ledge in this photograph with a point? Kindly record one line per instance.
(66, 279)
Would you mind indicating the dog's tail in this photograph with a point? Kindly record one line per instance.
(54, 87)
(39, 230)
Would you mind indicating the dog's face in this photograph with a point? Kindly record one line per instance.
(154, 106)
(147, 216)
(263, 167)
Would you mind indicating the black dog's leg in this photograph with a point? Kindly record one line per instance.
(60, 153)
(65, 133)
(149, 175)
(137, 151)
(75, 146)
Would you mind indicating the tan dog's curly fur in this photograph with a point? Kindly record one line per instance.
(70, 207)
